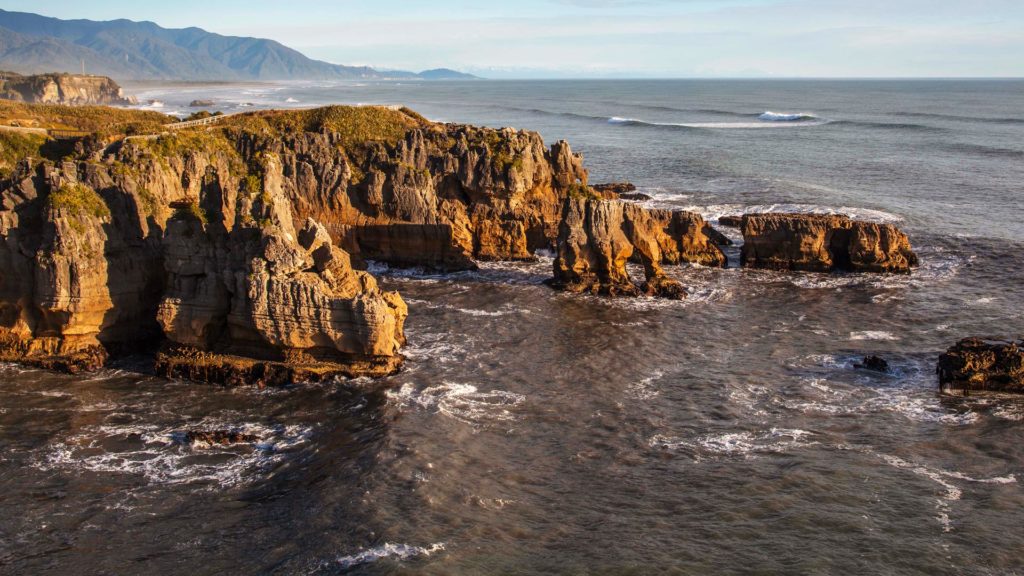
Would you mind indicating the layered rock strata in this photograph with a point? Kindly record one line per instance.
(824, 243)
(443, 197)
(978, 364)
(289, 299)
(597, 238)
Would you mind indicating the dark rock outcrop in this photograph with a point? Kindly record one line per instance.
(62, 89)
(613, 190)
(823, 243)
(200, 103)
(978, 364)
(731, 221)
(219, 437)
(634, 197)
(597, 238)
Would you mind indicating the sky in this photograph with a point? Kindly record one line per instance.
(614, 38)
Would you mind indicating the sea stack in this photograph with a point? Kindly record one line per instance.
(598, 237)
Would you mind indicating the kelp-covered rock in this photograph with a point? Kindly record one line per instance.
(823, 243)
(979, 364)
(597, 238)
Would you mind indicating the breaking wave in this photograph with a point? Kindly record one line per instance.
(463, 402)
(742, 444)
(716, 125)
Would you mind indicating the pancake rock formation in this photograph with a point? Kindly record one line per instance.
(823, 243)
(264, 291)
(597, 238)
(978, 364)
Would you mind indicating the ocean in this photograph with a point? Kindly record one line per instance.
(533, 431)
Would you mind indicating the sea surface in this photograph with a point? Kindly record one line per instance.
(535, 432)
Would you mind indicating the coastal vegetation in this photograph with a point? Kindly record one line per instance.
(353, 125)
(101, 120)
(14, 146)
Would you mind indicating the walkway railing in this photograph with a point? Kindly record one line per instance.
(192, 123)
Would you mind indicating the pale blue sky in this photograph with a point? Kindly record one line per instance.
(610, 38)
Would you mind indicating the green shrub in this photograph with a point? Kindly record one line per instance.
(77, 200)
(190, 211)
(580, 191)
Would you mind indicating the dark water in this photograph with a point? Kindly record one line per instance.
(537, 432)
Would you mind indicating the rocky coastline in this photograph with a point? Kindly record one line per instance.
(241, 248)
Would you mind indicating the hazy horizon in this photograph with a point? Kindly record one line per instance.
(621, 39)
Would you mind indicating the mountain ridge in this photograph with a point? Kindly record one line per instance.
(130, 50)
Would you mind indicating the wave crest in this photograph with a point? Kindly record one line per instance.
(786, 117)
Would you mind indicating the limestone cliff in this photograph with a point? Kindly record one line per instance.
(822, 243)
(62, 89)
(190, 238)
(443, 196)
(265, 291)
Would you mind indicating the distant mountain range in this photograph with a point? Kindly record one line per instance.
(128, 50)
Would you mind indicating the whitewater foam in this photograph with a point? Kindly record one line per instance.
(160, 455)
(872, 335)
(400, 552)
(462, 402)
(743, 444)
(644, 388)
(940, 477)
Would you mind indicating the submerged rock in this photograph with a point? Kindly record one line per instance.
(823, 243)
(977, 364)
(873, 363)
(597, 238)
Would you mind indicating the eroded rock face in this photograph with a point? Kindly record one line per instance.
(597, 238)
(72, 284)
(823, 243)
(977, 364)
(265, 291)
